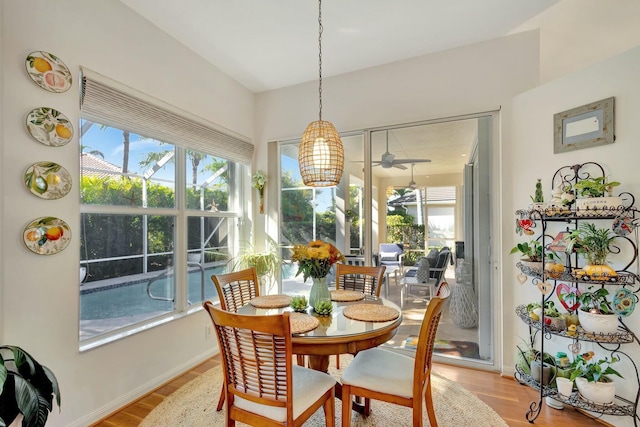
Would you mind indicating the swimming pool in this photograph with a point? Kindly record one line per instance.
(131, 299)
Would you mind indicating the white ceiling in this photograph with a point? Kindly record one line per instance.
(268, 44)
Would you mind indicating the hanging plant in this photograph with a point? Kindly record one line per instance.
(259, 181)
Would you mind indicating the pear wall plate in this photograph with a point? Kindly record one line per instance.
(47, 180)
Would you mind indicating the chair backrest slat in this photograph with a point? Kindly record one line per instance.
(367, 280)
(235, 289)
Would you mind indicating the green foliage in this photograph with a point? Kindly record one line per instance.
(28, 388)
(299, 303)
(323, 307)
(532, 250)
(538, 196)
(267, 263)
(592, 242)
(595, 187)
(583, 367)
(596, 300)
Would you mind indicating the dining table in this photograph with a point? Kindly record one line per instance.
(340, 332)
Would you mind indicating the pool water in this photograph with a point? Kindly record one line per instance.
(131, 299)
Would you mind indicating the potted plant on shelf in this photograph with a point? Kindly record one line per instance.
(594, 244)
(552, 317)
(27, 388)
(531, 253)
(592, 378)
(538, 198)
(596, 196)
(595, 313)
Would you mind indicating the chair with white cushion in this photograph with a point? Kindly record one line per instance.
(381, 374)
(263, 387)
(235, 289)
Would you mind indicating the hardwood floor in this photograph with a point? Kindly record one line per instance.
(508, 398)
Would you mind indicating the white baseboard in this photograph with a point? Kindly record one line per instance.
(140, 391)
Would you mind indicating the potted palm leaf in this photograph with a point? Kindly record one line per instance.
(27, 388)
(594, 244)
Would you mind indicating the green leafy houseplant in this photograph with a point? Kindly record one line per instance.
(28, 388)
(592, 371)
(595, 302)
(265, 262)
(592, 242)
(595, 187)
(531, 250)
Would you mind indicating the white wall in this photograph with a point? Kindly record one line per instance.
(39, 303)
(528, 154)
(578, 33)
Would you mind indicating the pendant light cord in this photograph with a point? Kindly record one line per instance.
(320, 56)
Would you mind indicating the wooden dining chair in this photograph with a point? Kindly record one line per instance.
(351, 277)
(235, 289)
(381, 374)
(262, 385)
(368, 280)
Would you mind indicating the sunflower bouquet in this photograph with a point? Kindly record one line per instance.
(315, 260)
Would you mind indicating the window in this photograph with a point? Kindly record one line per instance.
(159, 215)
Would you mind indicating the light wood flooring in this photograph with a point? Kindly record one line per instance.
(508, 398)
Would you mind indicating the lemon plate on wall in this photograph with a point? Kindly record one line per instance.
(49, 126)
(47, 235)
(47, 180)
(48, 71)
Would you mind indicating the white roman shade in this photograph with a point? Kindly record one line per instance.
(110, 103)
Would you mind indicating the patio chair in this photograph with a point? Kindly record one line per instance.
(391, 255)
(410, 282)
(262, 385)
(385, 375)
(235, 289)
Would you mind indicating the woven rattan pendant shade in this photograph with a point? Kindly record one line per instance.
(321, 156)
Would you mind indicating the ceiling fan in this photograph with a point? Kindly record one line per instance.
(389, 160)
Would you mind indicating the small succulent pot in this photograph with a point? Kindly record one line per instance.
(323, 307)
(299, 303)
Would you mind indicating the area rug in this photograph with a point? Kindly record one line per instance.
(467, 349)
(194, 405)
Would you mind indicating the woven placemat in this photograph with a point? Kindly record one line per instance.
(301, 323)
(346, 295)
(270, 301)
(370, 312)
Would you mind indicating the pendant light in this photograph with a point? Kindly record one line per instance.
(320, 156)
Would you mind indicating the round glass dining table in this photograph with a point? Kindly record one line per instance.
(336, 333)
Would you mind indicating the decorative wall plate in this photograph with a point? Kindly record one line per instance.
(49, 126)
(624, 302)
(623, 225)
(47, 180)
(48, 71)
(46, 235)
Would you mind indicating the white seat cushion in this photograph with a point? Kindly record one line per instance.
(381, 370)
(308, 386)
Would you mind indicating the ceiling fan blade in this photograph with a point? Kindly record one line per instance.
(396, 161)
(399, 166)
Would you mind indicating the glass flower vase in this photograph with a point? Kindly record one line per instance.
(319, 290)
